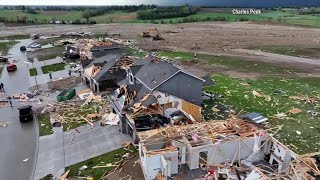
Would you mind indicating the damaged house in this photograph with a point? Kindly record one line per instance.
(157, 94)
(230, 149)
(96, 50)
(107, 72)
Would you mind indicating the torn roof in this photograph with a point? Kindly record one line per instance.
(213, 130)
(98, 46)
(105, 59)
(140, 89)
(108, 62)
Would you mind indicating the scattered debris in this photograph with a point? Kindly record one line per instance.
(280, 115)
(245, 84)
(255, 117)
(84, 94)
(298, 132)
(255, 93)
(83, 168)
(3, 124)
(215, 109)
(110, 119)
(64, 176)
(295, 111)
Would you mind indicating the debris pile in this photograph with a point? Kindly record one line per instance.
(74, 113)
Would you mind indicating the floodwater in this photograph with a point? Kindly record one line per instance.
(17, 81)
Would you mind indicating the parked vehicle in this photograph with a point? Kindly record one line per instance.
(35, 45)
(23, 48)
(25, 113)
(11, 67)
(3, 59)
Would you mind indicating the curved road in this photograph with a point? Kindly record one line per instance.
(18, 141)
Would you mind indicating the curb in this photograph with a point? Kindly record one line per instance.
(37, 148)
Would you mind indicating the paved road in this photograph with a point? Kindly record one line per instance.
(281, 58)
(18, 142)
(17, 81)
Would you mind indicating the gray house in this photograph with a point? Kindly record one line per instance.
(102, 73)
(156, 89)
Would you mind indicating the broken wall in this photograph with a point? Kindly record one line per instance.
(151, 165)
(220, 152)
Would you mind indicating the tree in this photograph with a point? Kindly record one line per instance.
(86, 15)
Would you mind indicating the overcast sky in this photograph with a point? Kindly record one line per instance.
(234, 3)
(80, 2)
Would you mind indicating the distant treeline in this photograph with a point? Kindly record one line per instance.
(126, 8)
(166, 12)
(102, 10)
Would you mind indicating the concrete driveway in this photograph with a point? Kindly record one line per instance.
(18, 143)
(61, 149)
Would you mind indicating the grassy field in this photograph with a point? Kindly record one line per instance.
(116, 16)
(111, 157)
(290, 16)
(245, 65)
(48, 56)
(228, 61)
(5, 46)
(300, 131)
(53, 67)
(45, 54)
(42, 16)
(15, 37)
(185, 56)
(33, 72)
(45, 127)
(135, 52)
(291, 51)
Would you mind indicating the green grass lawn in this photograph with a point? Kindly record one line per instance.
(15, 37)
(45, 127)
(5, 46)
(48, 56)
(245, 65)
(102, 160)
(135, 52)
(1, 69)
(240, 97)
(33, 72)
(291, 51)
(53, 67)
(186, 56)
(78, 113)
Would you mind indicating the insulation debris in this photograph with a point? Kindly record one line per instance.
(295, 111)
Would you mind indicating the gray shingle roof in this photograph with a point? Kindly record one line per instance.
(153, 74)
(108, 61)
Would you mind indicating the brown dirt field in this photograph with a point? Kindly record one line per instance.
(206, 37)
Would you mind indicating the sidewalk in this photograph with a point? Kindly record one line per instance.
(57, 151)
(37, 64)
(44, 78)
